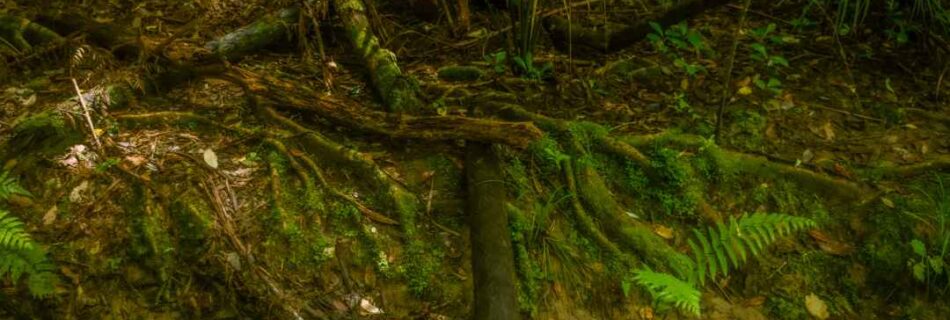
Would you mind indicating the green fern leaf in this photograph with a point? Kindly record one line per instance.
(9, 187)
(722, 243)
(20, 256)
(667, 289)
(12, 234)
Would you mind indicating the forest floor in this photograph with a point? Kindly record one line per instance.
(184, 218)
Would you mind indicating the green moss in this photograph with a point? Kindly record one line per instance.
(547, 152)
(193, 223)
(529, 272)
(460, 73)
(43, 134)
(784, 308)
(745, 130)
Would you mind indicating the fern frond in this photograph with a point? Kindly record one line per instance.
(20, 256)
(12, 234)
(724, 247)
(667, 289)
(9, 186)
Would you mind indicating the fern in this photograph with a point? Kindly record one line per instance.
(9, 187)
(717, 250)
(724, 247)
(667, 289)
(19, 255)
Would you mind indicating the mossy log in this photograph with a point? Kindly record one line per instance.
(263, 33)
(492, 255)
(23, 34)
(399, 92)
(351, 114)
(616, 37)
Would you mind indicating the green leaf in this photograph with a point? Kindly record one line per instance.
(919, 248)
(919, 271)
(656, 28)
(778, 60)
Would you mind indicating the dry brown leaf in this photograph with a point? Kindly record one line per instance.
(136, 160)
(829, 244)
(50, 215)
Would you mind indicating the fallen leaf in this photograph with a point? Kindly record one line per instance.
(745, 91)
(211, 158)
(829, 244)
(50, 215)
(136, 160)
(816, 307)
(76, 194)
(368, 308)
(663, 231)
(887, 202)
(754, 301)
(828, 130)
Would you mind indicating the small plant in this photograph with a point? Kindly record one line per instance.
(926, 268)
(759, 51)
(677, 40)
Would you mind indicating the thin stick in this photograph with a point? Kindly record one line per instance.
(85, 111)
(727, 86)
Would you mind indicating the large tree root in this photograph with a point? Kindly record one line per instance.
(399, 92)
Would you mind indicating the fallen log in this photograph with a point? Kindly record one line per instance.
(616, 37)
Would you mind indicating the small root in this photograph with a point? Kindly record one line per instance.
(583, 219)
(321, 178)
(179, 116)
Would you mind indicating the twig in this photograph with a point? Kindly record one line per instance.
(85, 111)
(856, 115)
(727, 85)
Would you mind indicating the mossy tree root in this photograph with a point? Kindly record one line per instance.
(262, 33)
(24, 34)
(823, 185)
(397, 198)
(399, 92)
(589, 187)
(349, 113)
(255, 282)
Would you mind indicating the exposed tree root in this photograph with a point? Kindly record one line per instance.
(258, 35)
(399, 92)
(822, 185)
(288, 95)
(163, 117)
(311, 166)
(23, 34)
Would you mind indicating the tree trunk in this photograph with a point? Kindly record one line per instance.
(492, 255)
